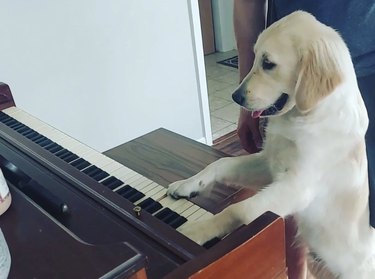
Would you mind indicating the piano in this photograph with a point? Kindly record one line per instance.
(78, 213)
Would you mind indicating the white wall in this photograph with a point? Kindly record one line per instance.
(104, 71)
(222, 13)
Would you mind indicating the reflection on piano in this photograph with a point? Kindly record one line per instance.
(77, 213)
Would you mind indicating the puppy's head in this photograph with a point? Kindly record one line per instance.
(296, 65)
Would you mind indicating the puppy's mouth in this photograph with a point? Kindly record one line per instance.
(273, 109)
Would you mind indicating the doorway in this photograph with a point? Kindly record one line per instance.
(218, 45)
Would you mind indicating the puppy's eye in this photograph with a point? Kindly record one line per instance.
(268, 65)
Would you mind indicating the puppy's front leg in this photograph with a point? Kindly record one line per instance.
(283, 198)
(248, 170)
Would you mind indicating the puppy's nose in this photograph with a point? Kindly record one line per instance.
(237, 96)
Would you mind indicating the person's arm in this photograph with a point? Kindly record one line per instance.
(249, 21)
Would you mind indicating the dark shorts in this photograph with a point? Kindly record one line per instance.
(367, 87)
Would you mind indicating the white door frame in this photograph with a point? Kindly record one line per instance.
(196, 36)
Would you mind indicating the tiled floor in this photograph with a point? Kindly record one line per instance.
(221, 82)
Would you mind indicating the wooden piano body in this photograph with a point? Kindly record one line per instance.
(101, 236)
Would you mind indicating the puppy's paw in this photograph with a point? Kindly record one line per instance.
(183, 189)
(200, 232)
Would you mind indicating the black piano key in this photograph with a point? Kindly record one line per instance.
(22, 128)
(95, 172)
(101, 175)
(34, 136)
(18, 126)
(122, 191)
(178, 222)
(136, 197)
(80, 164)
(112, 182)
(152, 208)
(133, 195)
(29, 133)
(9, 121)
(55, 148)
(92, 170)
(71, 157)
(150, 205)
(211, 242)
(41, 139)
(129, 193)
(52, 146)
(163, 213)
(3, 116)
(62, 152)
(45, 142)
(170, 218)
(66, 155)
(145, 203)
(12, 122)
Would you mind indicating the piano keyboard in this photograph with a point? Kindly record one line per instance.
(127, 183)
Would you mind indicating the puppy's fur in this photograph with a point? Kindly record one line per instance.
(313, 164)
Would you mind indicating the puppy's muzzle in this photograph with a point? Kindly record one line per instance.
(238, 97)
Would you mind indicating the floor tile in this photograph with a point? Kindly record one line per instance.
(229, 113)
(217, 102)
(224, 131)
(218, 124)
(221, 82)
(226, 92)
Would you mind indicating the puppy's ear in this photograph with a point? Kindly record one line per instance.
(319, 74)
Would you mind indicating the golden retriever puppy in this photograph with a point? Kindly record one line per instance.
(313, 164)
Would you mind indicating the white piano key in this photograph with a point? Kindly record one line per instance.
(111, 167)
(126, 175)
(181, 205)
(146, 190)
(167, 201)
(97, 159)
(154, 191)
(176, 205)
(198, 214)
(141, 183)
(146, 186)
(190, 211)
(124, 184)
(32, 123)
(159, 195)
(17, 113)
(123, 172)
(205, 216)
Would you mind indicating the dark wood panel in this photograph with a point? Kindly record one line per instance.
(164, 157)
(207, 26)
(255, 251)
(6, 98)
(35, 240)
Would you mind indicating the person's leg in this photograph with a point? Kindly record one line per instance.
(367, 87)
